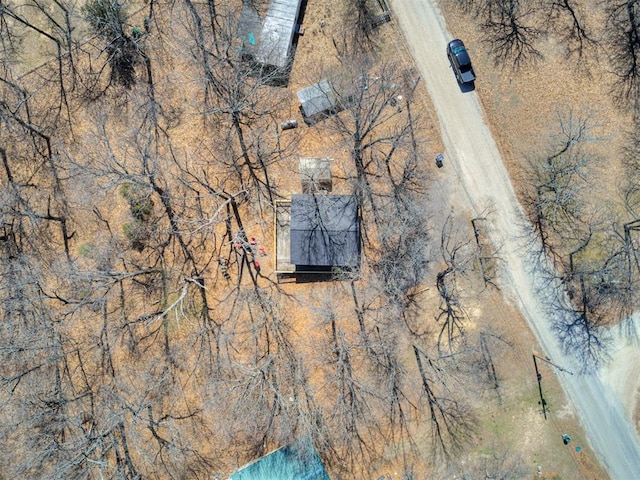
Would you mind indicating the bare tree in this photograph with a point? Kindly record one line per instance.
(377, 131)
(459, 256)
(579, 323)
(356, 36)
(568, 21)
(401, 261)
(452, 315)
(355, 425)
(54, 23)
(489, 344)
(510, 27)
(585, 271)
(240, 100)
(124, 342)
(556, 202)
(631, 162)
(623, 35)
(497, 464)
(451, 422)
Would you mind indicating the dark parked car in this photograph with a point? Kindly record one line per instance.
(460, 61)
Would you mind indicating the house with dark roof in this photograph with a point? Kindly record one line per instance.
(324, 232)
(316, 232)
(298, 461)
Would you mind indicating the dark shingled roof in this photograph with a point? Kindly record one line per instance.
(325, 231)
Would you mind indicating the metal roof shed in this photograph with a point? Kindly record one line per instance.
(278, 29)
(318, 101)
(291, 462)
(324, 231)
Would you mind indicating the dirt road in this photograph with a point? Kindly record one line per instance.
(473, 161)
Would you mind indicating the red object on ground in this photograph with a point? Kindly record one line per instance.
(261, 251)
(252, 240)
(256, 264)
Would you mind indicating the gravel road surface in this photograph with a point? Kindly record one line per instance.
(473, 161)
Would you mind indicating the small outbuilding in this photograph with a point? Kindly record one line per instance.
(291, 462)
(269, 43)
(318, 102)
(324, 232)
(315, 175)
(278, 30)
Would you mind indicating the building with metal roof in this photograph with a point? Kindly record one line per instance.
(299, 461)
(278, 30)
(318, 102)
